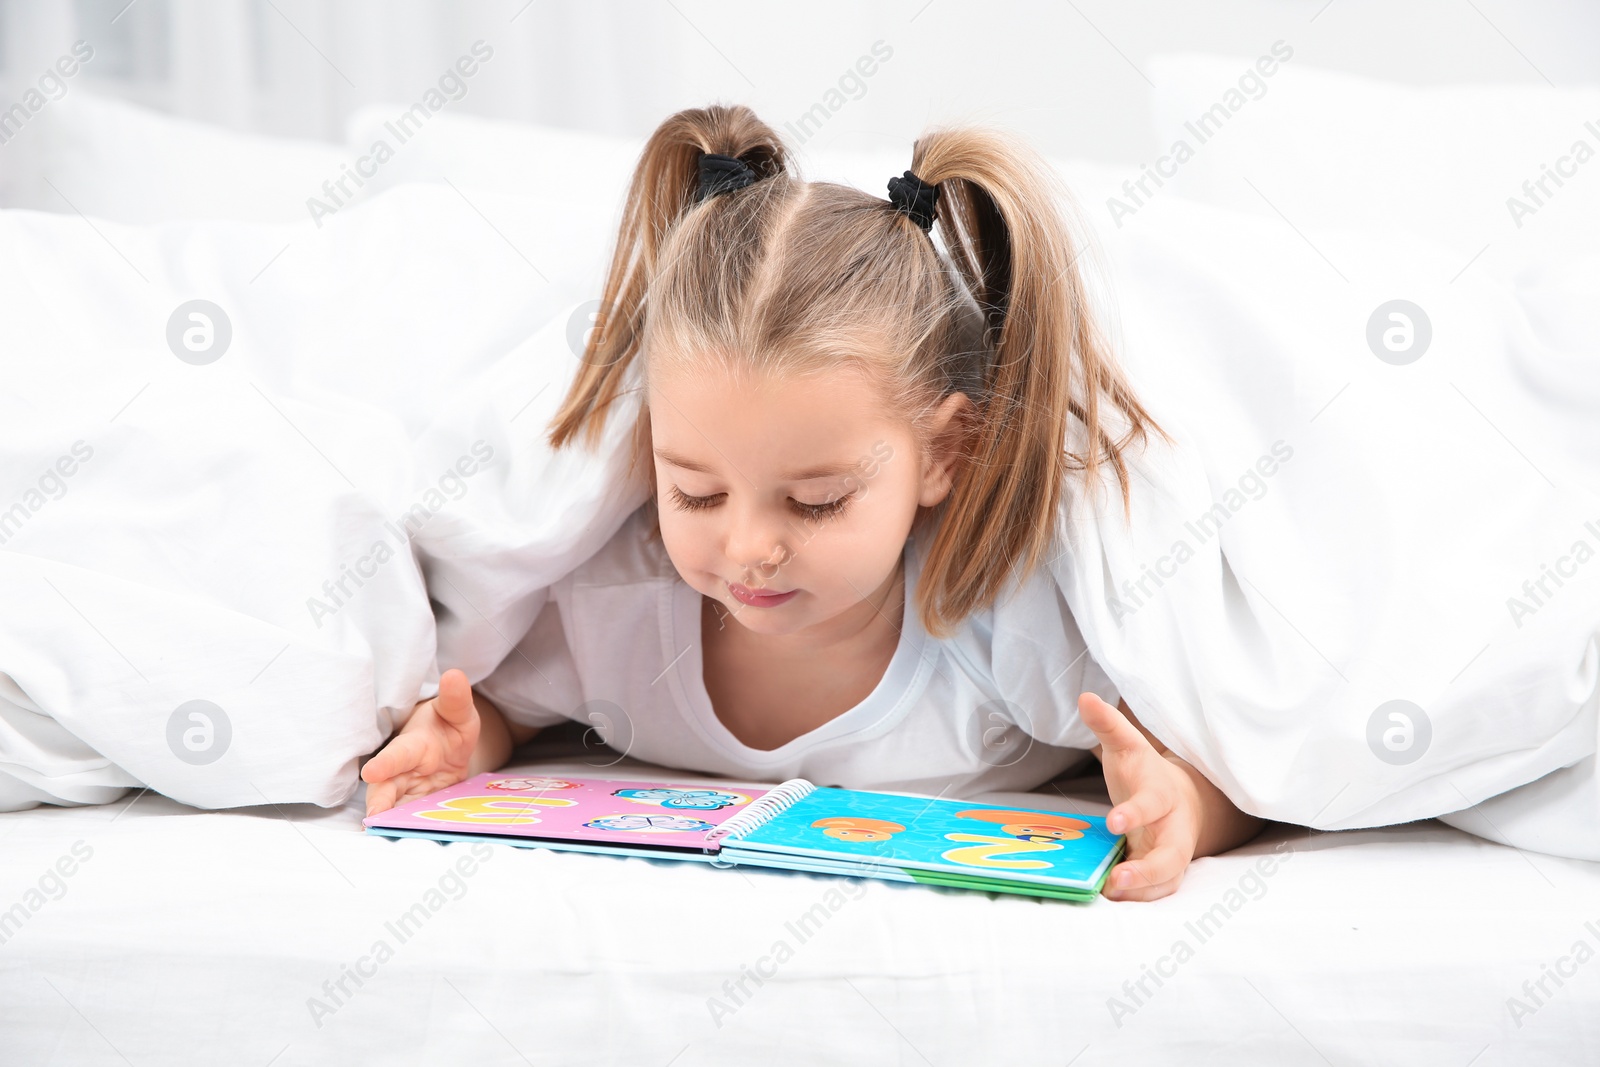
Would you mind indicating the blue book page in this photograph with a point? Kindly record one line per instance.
(989, 840)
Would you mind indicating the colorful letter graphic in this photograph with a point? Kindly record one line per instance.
(989, 851)
(503, 811)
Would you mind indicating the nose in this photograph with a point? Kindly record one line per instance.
(755, 544)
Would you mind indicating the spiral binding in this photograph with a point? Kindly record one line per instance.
(762, 811)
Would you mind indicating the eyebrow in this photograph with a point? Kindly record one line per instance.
(827, 470)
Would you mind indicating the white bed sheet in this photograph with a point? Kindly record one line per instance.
(201, 937)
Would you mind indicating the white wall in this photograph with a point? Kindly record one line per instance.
(1072, 76)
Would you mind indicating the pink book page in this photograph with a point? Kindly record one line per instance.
(602, 810)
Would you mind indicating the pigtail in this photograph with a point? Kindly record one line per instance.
(664, 188)
(999, 216)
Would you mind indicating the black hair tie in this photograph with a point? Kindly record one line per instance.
(722, 174)
(914, 198)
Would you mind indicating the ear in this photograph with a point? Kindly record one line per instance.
(947, 432)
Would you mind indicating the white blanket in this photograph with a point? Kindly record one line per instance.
(1334, 531)
(263, 533)
(235, 532)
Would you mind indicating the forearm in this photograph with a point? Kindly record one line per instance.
(1222, 825)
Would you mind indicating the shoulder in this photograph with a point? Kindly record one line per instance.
(1031, 611)
(1023, 657)
(999, 648)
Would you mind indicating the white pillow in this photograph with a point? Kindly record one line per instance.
(114, 160)
(583, 177)
(507, 157)
(575, 180)
(1339, 151)
(528, 159)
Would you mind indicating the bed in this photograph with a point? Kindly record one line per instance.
(284, 935)
(149, 931)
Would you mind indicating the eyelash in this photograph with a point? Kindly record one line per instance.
(686, 502)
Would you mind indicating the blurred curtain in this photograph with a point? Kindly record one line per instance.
(1071, 76)
(298, 67)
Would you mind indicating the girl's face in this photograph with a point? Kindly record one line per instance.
(788, 500)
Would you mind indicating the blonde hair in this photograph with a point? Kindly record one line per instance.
(787, 276)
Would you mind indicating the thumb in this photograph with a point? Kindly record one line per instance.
(454, 703)
(402, 754)
(1117, 736)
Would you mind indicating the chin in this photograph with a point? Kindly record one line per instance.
(771, 622)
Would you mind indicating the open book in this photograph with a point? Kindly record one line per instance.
(795, 826)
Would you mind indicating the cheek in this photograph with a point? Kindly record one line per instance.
(889, 496)
(684, 538)
(856, 553)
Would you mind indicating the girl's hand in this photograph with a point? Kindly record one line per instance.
(433, 750)
(1156, 803)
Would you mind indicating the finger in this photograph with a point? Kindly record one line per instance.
(1141, 809)
(1149, 892)
(1142, 881)
(454, 704)
(401, 754)
(380, 797)
(1116, 734)
(1161, 864)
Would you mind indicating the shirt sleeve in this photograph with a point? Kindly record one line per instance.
(1042, 664)
(536, 684)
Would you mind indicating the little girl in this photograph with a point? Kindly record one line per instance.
(857, 461)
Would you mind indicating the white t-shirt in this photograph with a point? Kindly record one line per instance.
(992, 707)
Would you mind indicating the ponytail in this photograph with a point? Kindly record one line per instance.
(1002, 227)
(665, 187)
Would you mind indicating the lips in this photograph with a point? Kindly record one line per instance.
(759, 598)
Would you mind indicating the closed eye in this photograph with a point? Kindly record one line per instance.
(694, 503)
(821, 511)
(686, 502)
